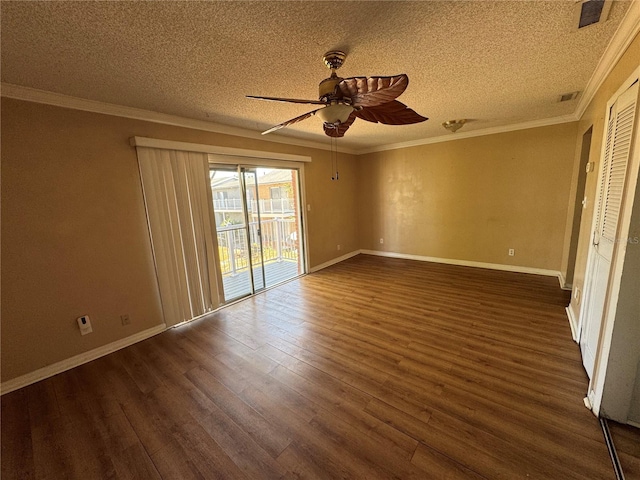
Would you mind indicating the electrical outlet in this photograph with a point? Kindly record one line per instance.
(84, 324)
(125, 319)
(512, 252)
(339, 247)
(381, 241)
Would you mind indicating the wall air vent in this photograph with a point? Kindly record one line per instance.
(565, 97)
(591, 12)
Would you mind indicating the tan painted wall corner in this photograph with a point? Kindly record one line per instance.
(472, 199)
(74, 234)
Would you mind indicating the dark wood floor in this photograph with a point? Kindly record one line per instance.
(372, 368)
(627, 443)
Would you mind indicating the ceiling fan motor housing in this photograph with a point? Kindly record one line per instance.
(328, 87)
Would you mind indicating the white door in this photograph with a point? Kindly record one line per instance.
(605, 235)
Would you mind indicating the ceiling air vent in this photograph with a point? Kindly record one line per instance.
(590, 12)
(565, 97)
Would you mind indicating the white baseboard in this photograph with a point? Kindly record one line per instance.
(563, 282)
(573, 323)
(64, 365)
(69, 363)
(466, 263)
(334, 261)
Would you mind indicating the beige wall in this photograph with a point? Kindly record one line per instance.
(74, 234)
(621, 391)
(622, 379)
(594, 116)
(472, 199)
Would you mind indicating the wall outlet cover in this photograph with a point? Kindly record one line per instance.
(84, 323)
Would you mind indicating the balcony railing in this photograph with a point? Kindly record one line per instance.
(279, 242)
(270, 205)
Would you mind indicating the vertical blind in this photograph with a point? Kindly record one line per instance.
(179, 207)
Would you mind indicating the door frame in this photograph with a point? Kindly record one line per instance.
(250, 160)
(242, 171)
(578, 211)
(596, 385)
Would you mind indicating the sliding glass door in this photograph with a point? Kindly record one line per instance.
(231, 229)
(258, 225)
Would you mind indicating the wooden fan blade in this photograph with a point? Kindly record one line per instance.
(292, 121)
(391, 113)
(373, 91)
(340, 130)
(290, 100)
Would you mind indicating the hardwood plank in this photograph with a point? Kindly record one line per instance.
(487, 454)
(308, 450)
(377, 458)
(75, 449)
(541, 438)
(626, 440)
(16, 450)
(42, 401)
(283, 395)
(300, 465)
(251, 421)
(630, 466)
(440, 466)
(372, 368)
(134, 463)
(247, 454)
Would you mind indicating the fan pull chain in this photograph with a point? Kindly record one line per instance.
(331, 142)
(337, 174)
(334, 158)
(331, 157)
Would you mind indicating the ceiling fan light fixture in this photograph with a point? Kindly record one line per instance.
(372, 99)
(454, 125)
(335, 113)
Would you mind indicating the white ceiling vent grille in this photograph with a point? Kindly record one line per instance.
(591, 12)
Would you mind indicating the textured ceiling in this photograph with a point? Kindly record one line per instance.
(497, 63)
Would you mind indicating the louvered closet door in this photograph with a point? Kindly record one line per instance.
(606, 236)
(619, 134)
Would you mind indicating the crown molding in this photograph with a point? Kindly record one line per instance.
(622, 38)
(28, 94)
(545, 122)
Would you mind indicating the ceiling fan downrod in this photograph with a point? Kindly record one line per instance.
(327, 88)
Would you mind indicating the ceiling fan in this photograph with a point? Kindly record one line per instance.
(344, 99)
